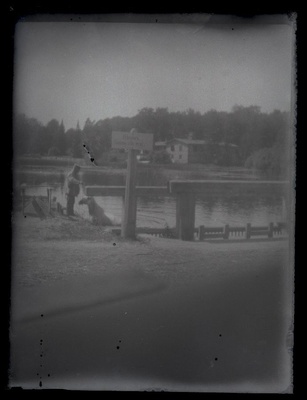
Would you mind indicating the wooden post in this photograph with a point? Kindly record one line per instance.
(49, 192)
(201, 232)
(129, 218)
(270, 234)
(226, 231)
(185, 216)
(133, 141)
(248, 231)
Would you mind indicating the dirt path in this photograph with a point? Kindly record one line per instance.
(93, 311)
(57, 248)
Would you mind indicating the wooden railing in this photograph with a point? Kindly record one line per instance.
(247, 232)
(203, 233)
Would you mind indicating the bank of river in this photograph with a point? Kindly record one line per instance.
(33, 171)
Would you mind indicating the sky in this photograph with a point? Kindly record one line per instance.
(72, 71)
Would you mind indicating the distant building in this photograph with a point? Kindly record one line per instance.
(184, 151)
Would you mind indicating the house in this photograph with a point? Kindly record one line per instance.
(185, 151)
(182, 151)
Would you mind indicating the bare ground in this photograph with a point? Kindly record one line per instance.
(185, 315)
(55, 248)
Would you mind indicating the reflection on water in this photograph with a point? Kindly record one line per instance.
(159, 211)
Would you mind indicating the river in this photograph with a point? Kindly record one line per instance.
(161, 211)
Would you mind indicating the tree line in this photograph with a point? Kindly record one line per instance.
(256, 134)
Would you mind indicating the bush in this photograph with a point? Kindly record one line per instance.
(76, 152)
(160, 157)
(260, 159)
(271, 161)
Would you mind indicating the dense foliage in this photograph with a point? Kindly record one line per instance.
(261, 138)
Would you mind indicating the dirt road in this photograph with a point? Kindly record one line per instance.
(91, 311)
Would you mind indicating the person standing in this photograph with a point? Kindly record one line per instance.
(73, 188)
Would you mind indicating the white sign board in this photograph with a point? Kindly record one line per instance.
(132, 140)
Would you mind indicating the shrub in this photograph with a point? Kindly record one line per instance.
(160, 157)
(270, 161)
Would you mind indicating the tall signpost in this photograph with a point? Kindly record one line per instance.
(132, 141)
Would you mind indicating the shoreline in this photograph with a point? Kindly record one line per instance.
(58, 163)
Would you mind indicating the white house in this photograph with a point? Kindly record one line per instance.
(185, 151)
(182, 150)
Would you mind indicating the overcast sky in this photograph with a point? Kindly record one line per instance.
(76, 70)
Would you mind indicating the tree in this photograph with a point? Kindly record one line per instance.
(271, 161)
(20, 134)
(160, 157)
(96, 136)
(74, 142)
(193, 123)
(162, 124)
(247, 127)
(54, 136)
(145, 120)
(213, 126)
(27, 135)
(61, 140)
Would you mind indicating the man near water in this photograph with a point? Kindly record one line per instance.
(73, 188)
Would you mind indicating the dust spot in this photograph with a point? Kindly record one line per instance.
(89, 154)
